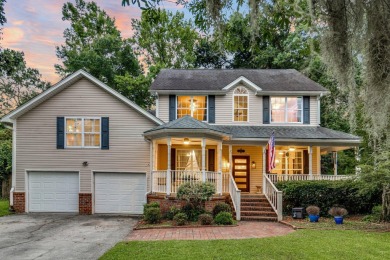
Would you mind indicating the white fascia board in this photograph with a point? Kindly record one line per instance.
(63, 84)
(244, 80)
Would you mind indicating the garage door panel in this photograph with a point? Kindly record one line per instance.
(120, 192)
(53, 191)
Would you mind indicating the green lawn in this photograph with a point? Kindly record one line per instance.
(302, 244)
(4, 205)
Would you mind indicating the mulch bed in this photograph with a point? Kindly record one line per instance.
(169, 224)
(350, 223)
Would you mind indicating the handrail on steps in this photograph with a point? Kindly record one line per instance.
(274, 196)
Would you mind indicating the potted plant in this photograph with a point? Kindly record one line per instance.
(338, 213)
(314, 213)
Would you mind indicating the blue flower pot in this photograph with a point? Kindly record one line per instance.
(338, 220)
(314, 218)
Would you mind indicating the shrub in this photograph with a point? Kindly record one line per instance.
(180, 219)
(221, 207)
(191, 212)
(171, 212)
(151, 205)
(205, 219)
(375, 215)
(196, 193)
(152, 215)
(324, 194)
(224, 218)
(313, 210)
(337, 211)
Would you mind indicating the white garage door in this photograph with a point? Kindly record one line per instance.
(120, 192)
(53, 191)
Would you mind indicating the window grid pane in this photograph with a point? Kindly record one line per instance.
(82, 132)
(286, 109)
(240, 105)
(194, 106)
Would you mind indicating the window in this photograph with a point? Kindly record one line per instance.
(195, 106)
(288, 162)
(82, 132)
(189, 160)
(286, 110)
(240, 104)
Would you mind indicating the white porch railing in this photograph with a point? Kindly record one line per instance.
(305, 177)
(274, 196)
(235, 194)
(177, 178)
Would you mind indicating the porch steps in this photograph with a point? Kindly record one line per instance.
(255, 207)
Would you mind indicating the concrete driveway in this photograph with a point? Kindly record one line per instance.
(60, 236)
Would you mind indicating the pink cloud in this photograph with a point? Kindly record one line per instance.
(12, 35)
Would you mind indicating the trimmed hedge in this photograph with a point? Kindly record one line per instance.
(349, 194)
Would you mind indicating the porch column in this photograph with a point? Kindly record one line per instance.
(335, 162)
(220, 168)
(230, 159)
(204, 159)
(310, 152)
(264, 166)
(168, 185)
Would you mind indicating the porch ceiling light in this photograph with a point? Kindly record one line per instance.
(186, 141)
(291, 149)
(281, 152)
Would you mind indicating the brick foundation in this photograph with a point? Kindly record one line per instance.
(19, 202)
(85, 203)
(166, 202)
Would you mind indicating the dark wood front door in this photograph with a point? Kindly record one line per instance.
(241, 172)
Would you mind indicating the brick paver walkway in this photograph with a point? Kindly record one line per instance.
(243, 230)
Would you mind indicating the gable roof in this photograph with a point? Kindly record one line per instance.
(268, 80)
(68, 81)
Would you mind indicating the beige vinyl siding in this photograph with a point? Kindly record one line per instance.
(313, 110)
(224, 109)
(163, 107)
(255, 154)
(36, 136)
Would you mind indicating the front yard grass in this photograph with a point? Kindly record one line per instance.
(4, 206)
(302, 244)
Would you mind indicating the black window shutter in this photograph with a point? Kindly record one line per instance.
(211, 109)
(211, 158)
(60, 132)
(172, 107)
(105, 133)
(266, 107)
(306, 110)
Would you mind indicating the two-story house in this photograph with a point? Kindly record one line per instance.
(82, 147)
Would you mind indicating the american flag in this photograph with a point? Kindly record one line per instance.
(271, 152)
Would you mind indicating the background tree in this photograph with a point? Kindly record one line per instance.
(93, 43)
(18, 83)
(5, 160)
(165, 39)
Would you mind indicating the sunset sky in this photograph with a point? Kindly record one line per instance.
(36, 27)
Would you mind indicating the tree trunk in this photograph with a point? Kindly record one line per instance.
(386, 203)
(6, 187)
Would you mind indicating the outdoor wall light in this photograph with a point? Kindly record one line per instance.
(186, 141)
(253, 165)
(241, 150)
(85, 163)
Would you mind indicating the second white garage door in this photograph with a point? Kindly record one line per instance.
(120, 192)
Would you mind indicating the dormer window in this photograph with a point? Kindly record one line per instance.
(240, 103)
(286, 110)
(194, 106)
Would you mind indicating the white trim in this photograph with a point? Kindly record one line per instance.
(244, 80)
(318, 110)
(158, 106)
(285, 111)
(192, 98)
(83, 132)
(67, 82)
(248, 110)
(13, 177)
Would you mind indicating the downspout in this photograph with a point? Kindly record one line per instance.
(13, 177)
